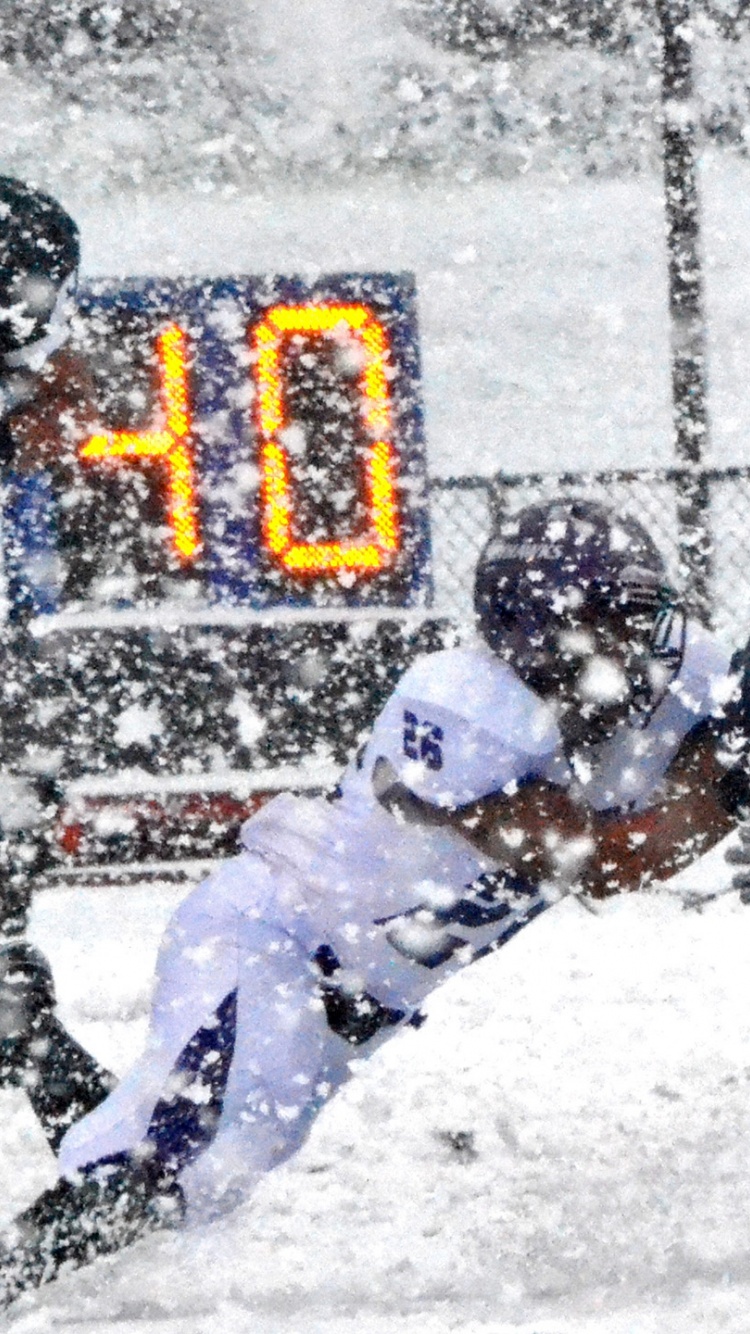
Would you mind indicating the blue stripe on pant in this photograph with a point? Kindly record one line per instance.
(183, 1126)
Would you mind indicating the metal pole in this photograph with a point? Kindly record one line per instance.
(687, 316)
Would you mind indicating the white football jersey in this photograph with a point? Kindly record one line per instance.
(460, 725)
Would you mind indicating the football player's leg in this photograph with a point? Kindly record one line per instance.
(108, 1207)
(261, 1116)
(196, 971)
(286, 1063)
(37, 1053)
(121, 1198)
(122, 1164)
(115, 1201)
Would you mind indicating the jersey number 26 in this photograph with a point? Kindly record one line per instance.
(422, 741)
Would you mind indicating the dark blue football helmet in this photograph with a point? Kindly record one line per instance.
(576, 599)
(39, 251)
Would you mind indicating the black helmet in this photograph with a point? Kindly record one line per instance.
(39, 250)
(570, 566)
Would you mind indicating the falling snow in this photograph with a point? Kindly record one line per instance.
(562, 1147)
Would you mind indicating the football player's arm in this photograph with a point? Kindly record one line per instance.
(705, 794)
(547, 832)
(536, 828)
(697, 807)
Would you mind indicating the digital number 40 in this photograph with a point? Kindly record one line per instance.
(170, 443)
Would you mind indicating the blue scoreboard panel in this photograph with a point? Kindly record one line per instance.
(259, 442)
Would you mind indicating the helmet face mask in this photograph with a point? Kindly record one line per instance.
(618, 675)
(575, 600)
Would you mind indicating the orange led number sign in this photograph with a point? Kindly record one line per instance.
(170, 446)
(375, 548)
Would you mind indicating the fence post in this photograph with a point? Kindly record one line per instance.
(687, 319)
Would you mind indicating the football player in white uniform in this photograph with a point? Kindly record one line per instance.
(586, 742)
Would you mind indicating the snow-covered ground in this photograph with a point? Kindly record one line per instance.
(562, 1148)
